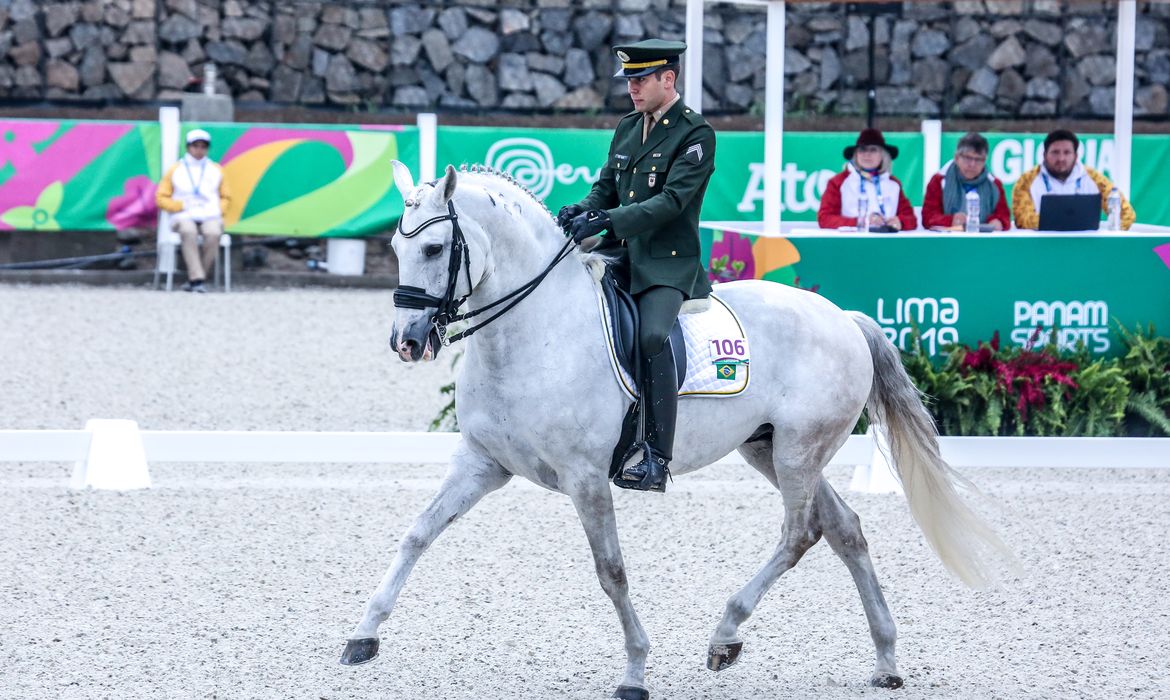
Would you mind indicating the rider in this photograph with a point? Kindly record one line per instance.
(648, 198)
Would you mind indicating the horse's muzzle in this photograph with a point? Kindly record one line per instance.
(418, 341)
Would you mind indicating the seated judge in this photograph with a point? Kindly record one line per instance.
(944, 208)
(1061, 173)
(867, 177)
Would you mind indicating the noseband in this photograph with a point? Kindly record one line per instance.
(447, 306)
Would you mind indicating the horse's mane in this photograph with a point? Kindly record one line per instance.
(593, 261)
(480, 169)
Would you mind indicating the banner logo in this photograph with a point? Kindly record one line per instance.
(800, 190)
(530, 162)
(1064, 322)
(935, 319)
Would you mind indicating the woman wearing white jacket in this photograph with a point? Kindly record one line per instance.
(195, 193)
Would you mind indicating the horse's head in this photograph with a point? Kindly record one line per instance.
(437, 269)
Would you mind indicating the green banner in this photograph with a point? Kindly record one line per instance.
(973, 285)
(296, 180)
(285, 180)
(560, 165)
(313, 180)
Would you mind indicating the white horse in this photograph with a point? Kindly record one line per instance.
(477, 235)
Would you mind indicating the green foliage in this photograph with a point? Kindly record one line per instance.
(993, 390)
(1146, 366)
(727, 271)
(446, 419)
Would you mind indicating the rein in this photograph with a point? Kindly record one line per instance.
(447, 306)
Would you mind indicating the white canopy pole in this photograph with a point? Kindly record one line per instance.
(1123, 94)
(774, 117)
(693, 58)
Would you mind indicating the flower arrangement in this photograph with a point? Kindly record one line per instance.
(1042, 390)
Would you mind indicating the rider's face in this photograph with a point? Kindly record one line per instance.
(649, 92)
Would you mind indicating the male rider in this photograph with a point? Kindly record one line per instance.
(647, 199)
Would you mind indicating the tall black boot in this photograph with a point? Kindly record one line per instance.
(659, 388)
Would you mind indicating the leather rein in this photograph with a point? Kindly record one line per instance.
(447, 306)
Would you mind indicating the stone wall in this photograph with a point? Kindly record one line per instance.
(966, 58)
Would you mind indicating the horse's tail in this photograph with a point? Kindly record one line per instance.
(964, 543)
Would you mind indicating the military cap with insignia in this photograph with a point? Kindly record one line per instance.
(645, 57)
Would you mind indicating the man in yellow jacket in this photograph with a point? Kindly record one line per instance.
(195, 193)
(1061, 173)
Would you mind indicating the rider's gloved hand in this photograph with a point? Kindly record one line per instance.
(566, 214)
(588, 224)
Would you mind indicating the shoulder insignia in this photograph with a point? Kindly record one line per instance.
(694, 153)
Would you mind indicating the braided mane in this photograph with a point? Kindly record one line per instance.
(479, 168)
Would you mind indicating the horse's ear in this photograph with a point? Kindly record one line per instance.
(402, 178)
(448, 185)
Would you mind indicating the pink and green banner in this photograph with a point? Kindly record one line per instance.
(285, 181)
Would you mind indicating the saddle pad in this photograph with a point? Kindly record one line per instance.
(717, 352)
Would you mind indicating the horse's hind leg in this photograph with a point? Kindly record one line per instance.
(469, 479)
(842, 530)
(796, 476)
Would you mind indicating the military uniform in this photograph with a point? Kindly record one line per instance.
(653, 192)
(648, 196)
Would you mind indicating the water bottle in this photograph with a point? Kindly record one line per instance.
(863, 214)
(973, 216)
(1114, 207)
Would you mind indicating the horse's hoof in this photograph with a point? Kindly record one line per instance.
(359, 651)
(631, 692)
(886, 680)
(720, 656)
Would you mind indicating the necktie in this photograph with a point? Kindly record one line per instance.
(647, 127)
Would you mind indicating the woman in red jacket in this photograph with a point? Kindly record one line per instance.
(867, 176)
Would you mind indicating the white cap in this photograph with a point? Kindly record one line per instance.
(198, 135)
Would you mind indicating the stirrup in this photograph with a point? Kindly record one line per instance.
(648, 474)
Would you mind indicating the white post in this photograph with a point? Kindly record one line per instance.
(169, 125)
(931, 150)
(1123, 95)
(774, 117)
(877, 476)
(693, 58)
(428, 144)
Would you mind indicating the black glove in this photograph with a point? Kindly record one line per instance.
(588, 224)
(566, 214)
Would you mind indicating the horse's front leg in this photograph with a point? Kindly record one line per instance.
(469, 479)
(594, 505)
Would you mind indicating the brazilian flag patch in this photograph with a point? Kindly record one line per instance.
(726, 370)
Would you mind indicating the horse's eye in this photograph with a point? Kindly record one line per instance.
(432, 250)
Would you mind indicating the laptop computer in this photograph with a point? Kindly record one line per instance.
(1070, 212)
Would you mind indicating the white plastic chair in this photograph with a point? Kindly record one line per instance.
(167, 244)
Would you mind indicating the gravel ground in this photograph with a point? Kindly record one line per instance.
(241, 581)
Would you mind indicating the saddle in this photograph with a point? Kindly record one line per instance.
(623, 323)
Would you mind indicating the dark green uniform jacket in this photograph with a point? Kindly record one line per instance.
(653, 193)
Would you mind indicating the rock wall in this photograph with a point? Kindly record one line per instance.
(966, 58)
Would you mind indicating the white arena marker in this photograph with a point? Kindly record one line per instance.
(116, 459)
(878, 475)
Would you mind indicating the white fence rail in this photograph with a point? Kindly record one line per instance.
(115, 454)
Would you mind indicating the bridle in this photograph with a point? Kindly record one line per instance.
(447, 306)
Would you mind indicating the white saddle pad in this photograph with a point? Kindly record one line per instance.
(717, 352)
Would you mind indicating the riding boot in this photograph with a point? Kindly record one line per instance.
(659, 388)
